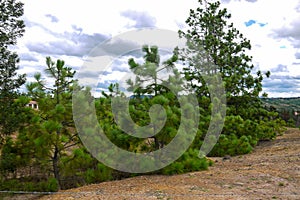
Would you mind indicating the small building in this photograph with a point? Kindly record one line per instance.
(33, 105)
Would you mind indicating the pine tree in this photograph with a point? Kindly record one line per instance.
(53, 129)
(11, 28)
(147, 79)
(216, 46)
(149, 83)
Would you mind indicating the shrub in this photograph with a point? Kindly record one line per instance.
(29, 186)
(232, 145)
(52, 185)
(188, 162)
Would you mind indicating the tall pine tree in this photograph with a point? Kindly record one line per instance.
(215, 46)
(149, 81)
(225, 47)
(11, 28)
(52, 131)
(213, 39)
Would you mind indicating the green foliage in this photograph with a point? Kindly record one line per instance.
(8, 162)
(29, 185)
(98, 174)
(287, 108)
(291, 123)
(52, 129)
(80, 165)
(52, 185)
(148, 82)
(188, 162)
(48, 140)
(232, 145)
(215, 46)
(212, 39)
(12, 27)
(13, 156)
(148, 79)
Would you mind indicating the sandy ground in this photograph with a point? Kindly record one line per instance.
(271, 171)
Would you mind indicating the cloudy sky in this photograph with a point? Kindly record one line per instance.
(70, 30)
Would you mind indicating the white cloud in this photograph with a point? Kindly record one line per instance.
(67, 29)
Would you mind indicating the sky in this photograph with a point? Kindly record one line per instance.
(70, 30)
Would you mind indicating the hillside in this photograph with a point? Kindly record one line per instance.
(271, 171)
(292, 103)
(288, 109)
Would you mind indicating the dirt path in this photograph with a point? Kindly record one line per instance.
(272, 171)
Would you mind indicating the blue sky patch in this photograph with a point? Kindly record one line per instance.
(262, 24)
(250, 22)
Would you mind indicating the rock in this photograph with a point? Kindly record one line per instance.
(226, 157)
(238, 184)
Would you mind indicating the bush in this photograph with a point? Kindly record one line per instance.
(232, 145)
(52, 185)
(188, 162)
(174, 168)
(29, 186)
(101, 173)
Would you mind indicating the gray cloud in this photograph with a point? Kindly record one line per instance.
(120, 65)
(281, 84)
(280, 68)
(120, 68)
(52, 18)
(297, 55)
(76, 28)
(70, 44)
(106, 73)
(290, 32)
(115, 47)
(93, 74)
(297, 8)
(285, 77)
(67, 43)
(142, 19)
(30, 74)
(27, 57)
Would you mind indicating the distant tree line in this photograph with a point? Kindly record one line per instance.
(287, 108)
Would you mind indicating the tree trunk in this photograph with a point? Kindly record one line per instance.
(156, 143)
(55, 161)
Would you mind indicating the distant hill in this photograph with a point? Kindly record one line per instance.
(288, 109)
(291, 104)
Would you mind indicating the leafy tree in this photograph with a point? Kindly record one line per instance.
(52, 131)
(11, 28)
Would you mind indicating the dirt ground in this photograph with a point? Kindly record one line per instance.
(271, 171)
